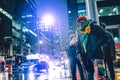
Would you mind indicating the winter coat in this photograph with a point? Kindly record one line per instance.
(71, 50)
(96, 39)
(109, 47)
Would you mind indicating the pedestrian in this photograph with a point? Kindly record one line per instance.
(109, 52)
(92, 38)
(71, 53)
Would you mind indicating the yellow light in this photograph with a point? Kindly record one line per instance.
(117, 57)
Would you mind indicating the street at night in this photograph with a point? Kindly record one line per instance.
(55, 75)
(59, 39)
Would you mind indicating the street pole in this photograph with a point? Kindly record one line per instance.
(91, 9)
(60, 36)
(21, 40)
(11, 49)
(38, 33)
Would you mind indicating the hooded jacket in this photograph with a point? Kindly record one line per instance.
(95, 40)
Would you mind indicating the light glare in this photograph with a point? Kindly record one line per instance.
(114, 9)
(48, 19)
(40, 42)
(101, 11)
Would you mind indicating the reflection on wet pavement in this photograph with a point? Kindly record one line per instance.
(59, 74)
(53, 75)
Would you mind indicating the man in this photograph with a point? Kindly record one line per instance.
(92, 38)
(71, 50)
(109, 53)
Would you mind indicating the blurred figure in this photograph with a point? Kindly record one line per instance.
(109, 52)
(91, 37)
(71, 53)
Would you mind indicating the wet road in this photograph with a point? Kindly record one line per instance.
(53, 75)
(58, 74)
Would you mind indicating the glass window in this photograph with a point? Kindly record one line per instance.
(82, 13)
(80, 1)
(16, 33)
(109, 11)
(81, 9)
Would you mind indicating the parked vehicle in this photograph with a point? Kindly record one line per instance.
(25, 67)
(40, 67)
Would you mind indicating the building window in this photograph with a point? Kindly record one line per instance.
(109, 11)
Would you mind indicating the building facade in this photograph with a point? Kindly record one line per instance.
(17, 27)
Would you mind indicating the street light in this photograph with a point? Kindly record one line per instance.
(40, 42)
(48, 19)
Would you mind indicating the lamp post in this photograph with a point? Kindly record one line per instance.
(21, 40)
(47, 21)
(60, 36)
(38, 33)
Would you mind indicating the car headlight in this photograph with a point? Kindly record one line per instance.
(31, 68)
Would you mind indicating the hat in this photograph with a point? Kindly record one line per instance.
(81, 18)
(71, 32)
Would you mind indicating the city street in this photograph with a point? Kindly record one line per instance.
(54, 75)
(43, 39)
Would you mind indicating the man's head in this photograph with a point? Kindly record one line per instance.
(71, 34)
(81, 20)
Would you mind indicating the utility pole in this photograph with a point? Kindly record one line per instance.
(38, 34)
(21, 40)
(91, 9)
(11, 49)
(61, 46)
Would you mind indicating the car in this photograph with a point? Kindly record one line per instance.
(25, 67)
(41, 67)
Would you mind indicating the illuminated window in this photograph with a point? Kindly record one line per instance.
(109, 11)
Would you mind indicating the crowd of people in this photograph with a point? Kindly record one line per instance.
(91, 48)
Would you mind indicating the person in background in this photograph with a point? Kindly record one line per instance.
(70, 48)
(91, 37)
(109, 53)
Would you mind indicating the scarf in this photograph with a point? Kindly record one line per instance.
(85, 31)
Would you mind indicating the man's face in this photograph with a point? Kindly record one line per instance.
(81, 23)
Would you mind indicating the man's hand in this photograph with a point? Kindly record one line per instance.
(73, 41)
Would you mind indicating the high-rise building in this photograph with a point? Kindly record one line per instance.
(17, 26)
